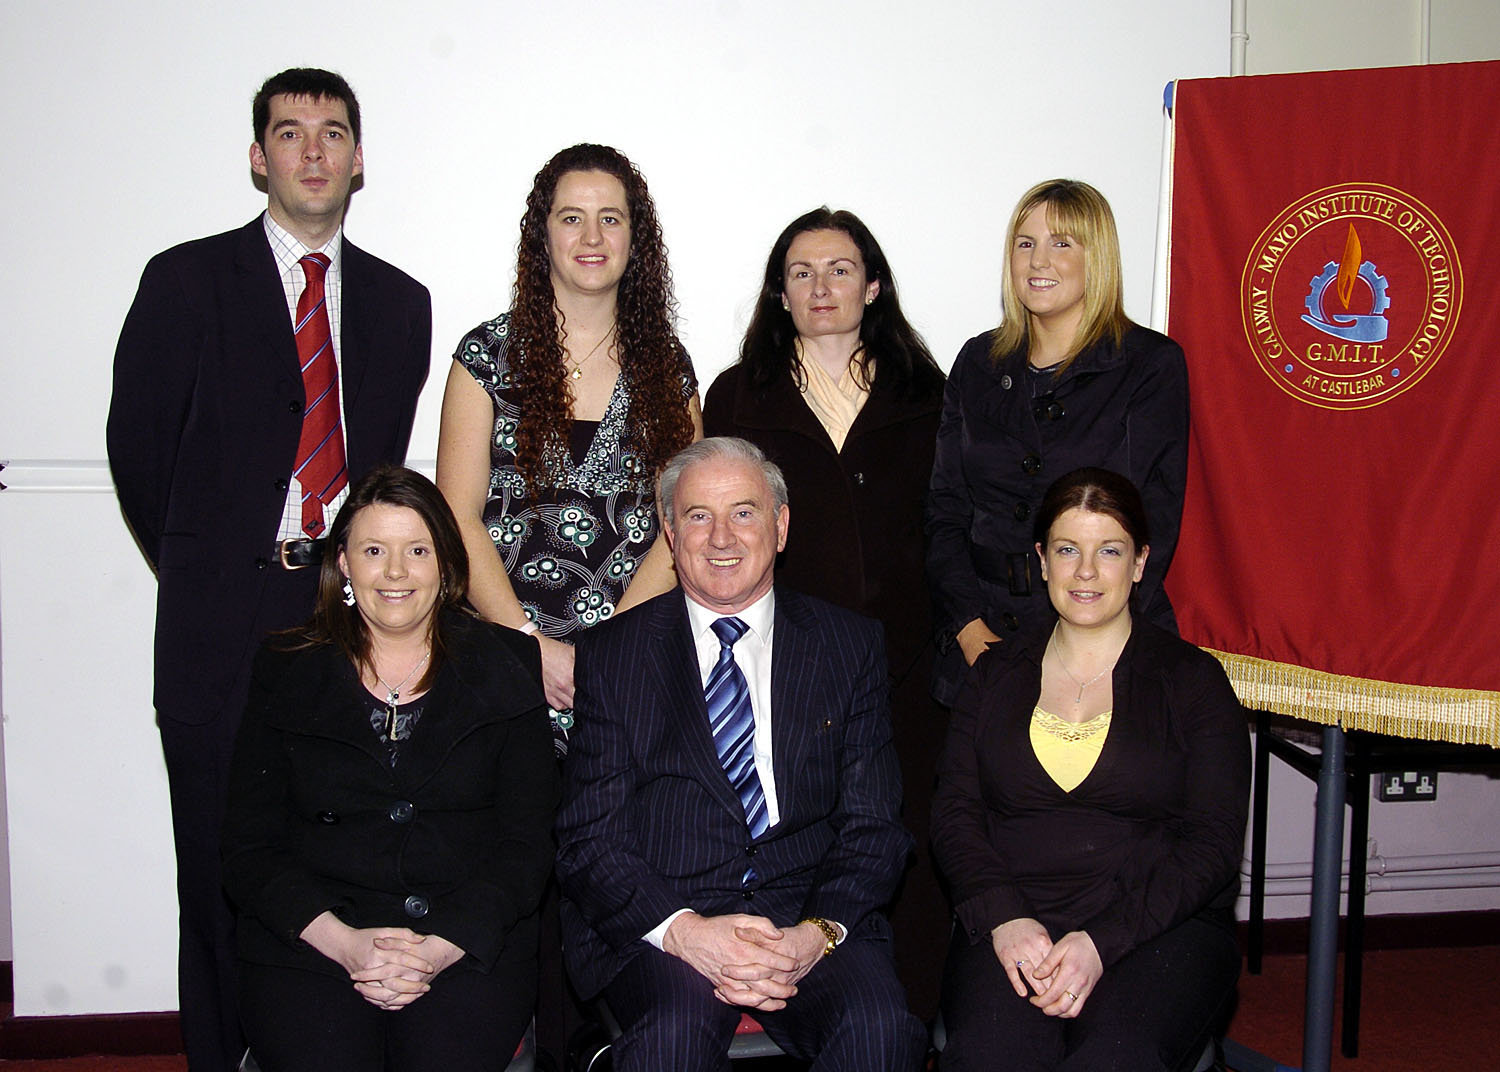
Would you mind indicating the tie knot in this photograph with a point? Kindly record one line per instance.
(314, 265)
(728, 630)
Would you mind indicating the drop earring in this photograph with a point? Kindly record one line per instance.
(348, 593)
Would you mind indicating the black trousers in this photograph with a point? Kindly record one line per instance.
(849, 1015)
(197, 760)
(1150, 1010)
(197, 757)
(303, 1021)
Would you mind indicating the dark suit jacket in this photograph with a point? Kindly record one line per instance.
(856, 537)
(203, 430)
(649, 822)
(319, 820)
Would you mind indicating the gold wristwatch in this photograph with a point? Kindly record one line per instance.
(830, 932)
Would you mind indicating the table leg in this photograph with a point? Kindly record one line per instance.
(1323, 937)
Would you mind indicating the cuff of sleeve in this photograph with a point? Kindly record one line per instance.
(659, 932)
(985, 911)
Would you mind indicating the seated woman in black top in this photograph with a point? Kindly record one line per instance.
(1090, 816)
(390, 805)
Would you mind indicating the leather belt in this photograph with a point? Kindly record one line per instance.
(299, 554)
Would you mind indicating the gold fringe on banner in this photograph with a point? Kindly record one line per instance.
(1423, 712)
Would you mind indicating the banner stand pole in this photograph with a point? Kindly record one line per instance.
(1323, 939)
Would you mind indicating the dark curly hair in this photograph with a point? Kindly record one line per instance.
(770, 347)
(650, 356)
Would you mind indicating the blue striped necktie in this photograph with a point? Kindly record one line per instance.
(733, 724)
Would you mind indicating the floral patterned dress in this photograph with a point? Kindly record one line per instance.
(571, 552)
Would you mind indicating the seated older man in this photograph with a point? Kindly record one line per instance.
(729, 827)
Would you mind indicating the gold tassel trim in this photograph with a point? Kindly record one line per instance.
(1423, 712)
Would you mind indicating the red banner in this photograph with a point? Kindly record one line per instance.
(1336, 286)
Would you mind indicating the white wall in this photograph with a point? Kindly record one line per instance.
(127, 131)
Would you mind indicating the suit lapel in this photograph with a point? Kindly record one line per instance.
(796, 692)
(674, 663)
(265, 299)
(355, 325)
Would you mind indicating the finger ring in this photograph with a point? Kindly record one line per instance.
(1071, 994)
(1020, 962)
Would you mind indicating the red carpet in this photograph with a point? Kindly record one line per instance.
(1424, 1009)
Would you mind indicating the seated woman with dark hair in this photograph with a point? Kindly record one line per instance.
(390, 809)
(1090, 816)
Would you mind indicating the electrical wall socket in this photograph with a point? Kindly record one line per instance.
(1407, 785)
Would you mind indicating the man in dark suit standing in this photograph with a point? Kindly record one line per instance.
(259, 373)
(729, 827)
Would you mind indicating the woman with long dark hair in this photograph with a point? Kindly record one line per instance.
(390, 808)
(558, 414)
(841, 392)
(1066, 380)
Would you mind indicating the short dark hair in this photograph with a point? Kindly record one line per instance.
(716, 448)
(769, 349)
(311, 82)
(1094, 491)
(344, 627)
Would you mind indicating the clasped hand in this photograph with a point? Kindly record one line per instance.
(1060, 974)
(749, 960)
(390, 966)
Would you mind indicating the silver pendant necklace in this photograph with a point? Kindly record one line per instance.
(393, 694)
(1082, 685)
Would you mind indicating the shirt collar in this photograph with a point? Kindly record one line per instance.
(759, 616)
(289, 249)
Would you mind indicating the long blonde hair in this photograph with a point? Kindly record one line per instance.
(1076, 209)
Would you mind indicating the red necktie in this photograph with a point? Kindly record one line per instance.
(320, 452)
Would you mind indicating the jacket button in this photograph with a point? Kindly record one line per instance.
(1010, 621)
(1005, 383)
(859, 480)
(281, 484)
(402, 811)
(1031, 464)
(1055, 411)
(751, 850)
(748, 895)
(329, 817)
(416, 906)
(294, 406)
(261, 563)
(1023, 511)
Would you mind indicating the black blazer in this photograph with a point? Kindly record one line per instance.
(649, 822)
(1152, 836)
(202, 435)
(1123, 408)
(856, 537)
(454, 840)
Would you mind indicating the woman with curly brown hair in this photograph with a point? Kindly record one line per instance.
(558, 414)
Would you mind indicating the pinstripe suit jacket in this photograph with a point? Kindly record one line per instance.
(649, 822)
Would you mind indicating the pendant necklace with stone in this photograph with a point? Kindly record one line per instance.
(393, 694)
(577, 373)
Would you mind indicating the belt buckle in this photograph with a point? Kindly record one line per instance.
(281, 550)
